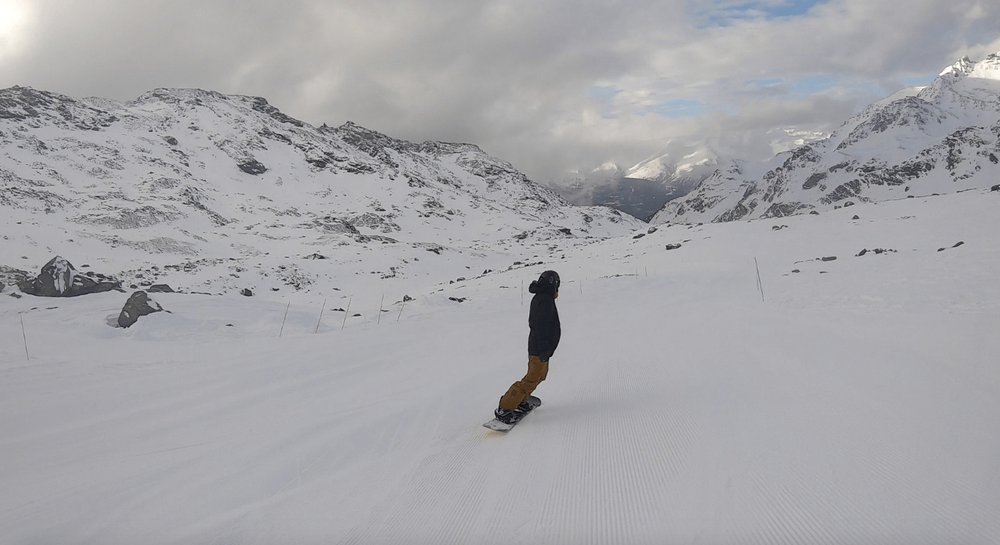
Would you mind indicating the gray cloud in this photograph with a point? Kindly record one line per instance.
(548, 84)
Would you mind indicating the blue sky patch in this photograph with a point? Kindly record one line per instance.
(766, 82)
(800, 88)
(604, 93)
(678, 108)
(918, 81)
(810, 86)
(715, 13)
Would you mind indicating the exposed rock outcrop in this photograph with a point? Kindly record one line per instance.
(58, 278)
(139, 304)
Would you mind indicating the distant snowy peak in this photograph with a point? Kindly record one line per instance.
(941, 138)
(653, 169)
(961, 68)
(988, 68)
(680, 169)
(967, 85)
(680, 160)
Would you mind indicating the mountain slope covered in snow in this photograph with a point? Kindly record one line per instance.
(847, 394)
(253, 198)
(942, 138)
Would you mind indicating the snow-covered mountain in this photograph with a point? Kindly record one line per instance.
(641, 191)
(609, 186)
(578, 186)
(680, 169)
(941, 138)
(255, 198)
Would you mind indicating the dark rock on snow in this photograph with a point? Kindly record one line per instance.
(956, 245)
(10, 276)
(138, 304)
(160, 288)
(876, 251)
(253, 167)
(58, 278)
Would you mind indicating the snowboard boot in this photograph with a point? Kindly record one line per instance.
(505, 416)
(530, 403)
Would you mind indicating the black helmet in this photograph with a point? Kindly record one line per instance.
(551, 278)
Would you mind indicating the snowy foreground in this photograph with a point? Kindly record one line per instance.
(859, 402)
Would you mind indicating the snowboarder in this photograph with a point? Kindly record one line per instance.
(543, 338)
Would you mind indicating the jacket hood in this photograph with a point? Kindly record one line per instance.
(548, 282)
(540, 287)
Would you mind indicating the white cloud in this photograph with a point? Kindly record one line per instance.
(517, 77)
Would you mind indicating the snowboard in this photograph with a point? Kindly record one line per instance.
(497, 425)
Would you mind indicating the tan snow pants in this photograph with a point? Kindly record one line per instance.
(520, 390)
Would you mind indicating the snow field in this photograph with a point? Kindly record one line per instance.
(855, 405)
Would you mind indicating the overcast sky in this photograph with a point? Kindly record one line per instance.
(549, 85)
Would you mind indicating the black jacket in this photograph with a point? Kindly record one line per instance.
(543, 321)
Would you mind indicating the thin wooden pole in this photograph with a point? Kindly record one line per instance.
(282, 330)
(25, 337)
(346, 313)
(320, 316)
(380, 306)
(760, 285)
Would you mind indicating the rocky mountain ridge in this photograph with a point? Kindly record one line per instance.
(942, 138)
(186, 179)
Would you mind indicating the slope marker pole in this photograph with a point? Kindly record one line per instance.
(283, 319)
(320, 315)
(24, 337)
(760, 285)
(346, 313)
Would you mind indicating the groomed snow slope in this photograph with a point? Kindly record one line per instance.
(857, 403)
